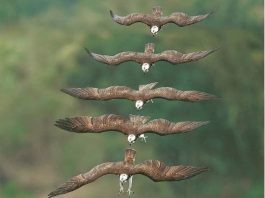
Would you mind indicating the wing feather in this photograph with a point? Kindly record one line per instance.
(113, 92)
(132, 18)
(164, 127)
(181, 19)
(174, 94)
(83, 179)
(158, 171)
(176, 57)
(86, 124)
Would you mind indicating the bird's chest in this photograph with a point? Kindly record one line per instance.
(147, 58)
(156, 21)
(131, 128)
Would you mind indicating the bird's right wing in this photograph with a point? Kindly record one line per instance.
(182, 19)
(176, 57)
(158, 171)
(131, 18)
(113, 92)
(86, 124)
(118, 58)
(83, 179)
(174, 94)
(164, 127)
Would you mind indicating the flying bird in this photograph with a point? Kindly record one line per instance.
(156, 20)
(153, 169)
(134, 127)
(147, 58)
(144, 94)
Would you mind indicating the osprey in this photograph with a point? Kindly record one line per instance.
(156, 20)
(147, 58)
(145, 94)
(134, 127)
(154, 169)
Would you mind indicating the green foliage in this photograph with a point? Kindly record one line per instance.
(42, 50)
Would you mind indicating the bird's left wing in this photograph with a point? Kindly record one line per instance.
(158, 171)
(91, 93)
(181, 19)
(164, 127)
(116, 59)
(131, 18)
(88, 124)
(176, 57)
(83, 179)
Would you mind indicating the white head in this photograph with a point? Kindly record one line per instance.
(145, 67)
(139, 104)
(131, 138)
(123, 177)
(154, 29)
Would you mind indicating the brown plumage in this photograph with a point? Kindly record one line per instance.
(134, 125)
(145, 93)
(157, 20)
(154, 169)
(148, 57)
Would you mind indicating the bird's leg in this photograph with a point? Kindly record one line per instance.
(130, 186)
(151, 100)
(121, 188)
(143, 137)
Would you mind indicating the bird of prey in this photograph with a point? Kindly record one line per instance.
(153, 169)
(156, 20)
(134, 127)
(147, 58)
(145, 94)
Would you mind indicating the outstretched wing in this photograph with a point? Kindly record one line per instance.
(113, 92)
(158, 171)
(118, 58)
(175, 57)
(181, 19)
(132, 18)
(174, 94)
(164, 127)
(83, 179)
(85, 124)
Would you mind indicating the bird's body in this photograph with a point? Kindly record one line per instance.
(134, 125)
(153, 169)
(148, 57)
(156, 20)
(141, 96)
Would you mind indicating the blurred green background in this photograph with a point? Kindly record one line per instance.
(42, 50)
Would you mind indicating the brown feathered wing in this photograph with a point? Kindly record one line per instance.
(174, 94)
(118, 58)
(158, 171)
(132, 18)
(82, 179)
(113, 92)
(181, 19)
(86, 124)
(176, 57)
(164, 127)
